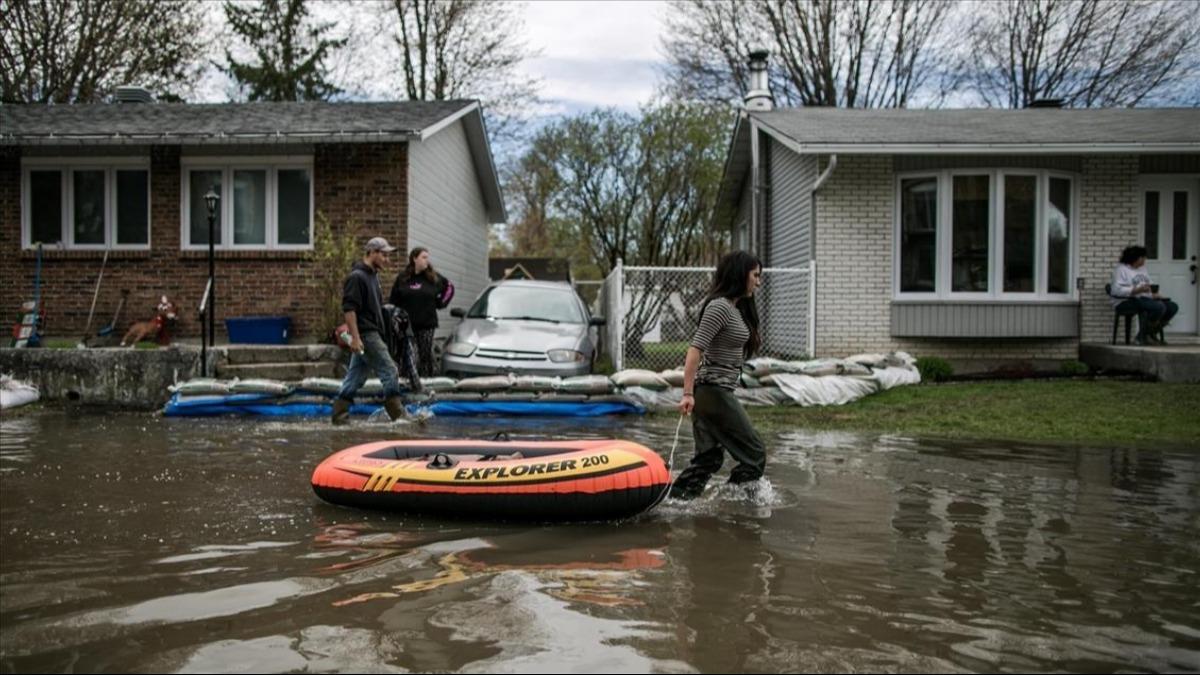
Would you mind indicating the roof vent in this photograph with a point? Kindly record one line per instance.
(133, 95)
(759, 96)
(1045, 103)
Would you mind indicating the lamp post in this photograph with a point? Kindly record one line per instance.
(210, 200)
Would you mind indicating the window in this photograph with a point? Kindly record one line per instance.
(985, 234)
(86, 203)
(918, 234)
(266, 203)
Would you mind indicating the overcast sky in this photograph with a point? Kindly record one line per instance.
(589, 53)
(595, 53)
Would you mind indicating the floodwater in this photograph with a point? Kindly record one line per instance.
(134, 543)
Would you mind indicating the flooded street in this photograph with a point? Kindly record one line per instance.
(135, 543)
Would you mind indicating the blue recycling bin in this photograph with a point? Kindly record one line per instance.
(259, 330)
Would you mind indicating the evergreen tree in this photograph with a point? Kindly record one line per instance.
(290, 51)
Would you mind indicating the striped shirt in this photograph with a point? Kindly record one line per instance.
(722, 337)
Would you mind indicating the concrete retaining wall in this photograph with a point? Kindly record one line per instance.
(127, 378)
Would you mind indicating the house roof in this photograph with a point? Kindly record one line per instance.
(262, 123)
(1035, 131)
(218, 123)
(850, 129)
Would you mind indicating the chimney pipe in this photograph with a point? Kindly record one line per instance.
(759, 96)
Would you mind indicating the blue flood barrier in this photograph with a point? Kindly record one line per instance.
(262, 405)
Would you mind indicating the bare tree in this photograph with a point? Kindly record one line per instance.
(79, 51)
(290, 49)
(1085, 52)
(465, 49)
(850, 53)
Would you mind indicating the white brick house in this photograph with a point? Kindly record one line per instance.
(967, 234)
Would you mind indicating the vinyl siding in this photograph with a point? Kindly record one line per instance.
(447, 215)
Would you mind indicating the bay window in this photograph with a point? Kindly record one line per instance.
(85, 203)
(265, 203)
(985, 234)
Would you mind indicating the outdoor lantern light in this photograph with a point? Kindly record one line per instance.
(209, 304)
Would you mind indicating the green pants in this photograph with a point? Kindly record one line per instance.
(720, 424)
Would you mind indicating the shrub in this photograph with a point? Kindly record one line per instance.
(1073, 367)
(934, 369)
(332, 255)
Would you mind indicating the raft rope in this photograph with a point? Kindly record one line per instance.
(670, 462)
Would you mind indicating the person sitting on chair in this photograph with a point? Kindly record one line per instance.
(1133, 289)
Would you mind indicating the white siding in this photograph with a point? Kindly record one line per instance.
(447, 214)
(789, 216)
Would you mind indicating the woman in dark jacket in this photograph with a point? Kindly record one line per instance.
(422, 292)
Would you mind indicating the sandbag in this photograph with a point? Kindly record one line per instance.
(559, 397)
(636, 377)
(749, 381)
(511, 396)
(762, 396)
(586, 384)
(321, 385)
(201, 385)
(673, 377)
(458, 396)
(895, 377)
(827, 390)
(765, 365)
(438, 383)
(260, 386)
(536, 383)
(486, 383)
(870, 360)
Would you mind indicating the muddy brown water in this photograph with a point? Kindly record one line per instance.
(134, 543)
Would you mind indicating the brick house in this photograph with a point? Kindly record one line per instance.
(975, 235)
(130, 177)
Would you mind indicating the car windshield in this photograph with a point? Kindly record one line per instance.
(528, 303)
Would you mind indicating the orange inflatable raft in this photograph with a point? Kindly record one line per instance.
(544, 480)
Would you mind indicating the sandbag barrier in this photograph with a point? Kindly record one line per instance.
(765, 381)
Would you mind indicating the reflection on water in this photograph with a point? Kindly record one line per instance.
(135, 543)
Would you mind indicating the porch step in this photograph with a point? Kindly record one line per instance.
(246, 354)
(288, 371)
(1174, 362)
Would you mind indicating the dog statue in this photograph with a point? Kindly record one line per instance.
(159, 326)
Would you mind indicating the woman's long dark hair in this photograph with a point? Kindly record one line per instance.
(1132, 253)
(729, 281)
(410, 270)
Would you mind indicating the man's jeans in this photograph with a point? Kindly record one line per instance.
(1150, 311)
(375, 357)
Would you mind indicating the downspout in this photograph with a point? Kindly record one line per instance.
(812, 257)
(755, 186)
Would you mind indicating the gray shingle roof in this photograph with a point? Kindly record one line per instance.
(818, 127)
(219, 123)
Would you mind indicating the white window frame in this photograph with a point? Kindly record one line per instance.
(938, 276)
(67, 166)
(945, 249)
(227, 165)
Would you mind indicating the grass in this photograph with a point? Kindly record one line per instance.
(1114, 412)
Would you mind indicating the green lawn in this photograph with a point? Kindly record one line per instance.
(1078, 411)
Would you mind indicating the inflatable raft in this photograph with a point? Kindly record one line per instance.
(518, 480)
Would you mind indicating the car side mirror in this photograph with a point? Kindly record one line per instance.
(597, 321)
(458, 313)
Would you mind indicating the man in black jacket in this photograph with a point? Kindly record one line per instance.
(362, 301)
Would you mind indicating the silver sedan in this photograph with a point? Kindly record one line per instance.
(523, 327)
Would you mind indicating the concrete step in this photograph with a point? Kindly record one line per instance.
(290, 371)
(245, 354)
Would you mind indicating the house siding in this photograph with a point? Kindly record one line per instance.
(358, 186)
(854, 237)
(783, 300)
(448, 215)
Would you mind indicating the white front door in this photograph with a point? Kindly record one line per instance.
(1171, 234)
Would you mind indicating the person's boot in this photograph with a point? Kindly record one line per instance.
(341, 411)
(395, 407)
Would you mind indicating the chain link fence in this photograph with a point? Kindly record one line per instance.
(652, 313)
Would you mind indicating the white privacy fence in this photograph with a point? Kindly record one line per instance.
(652, 313)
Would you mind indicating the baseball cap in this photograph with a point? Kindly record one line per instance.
(379, 244)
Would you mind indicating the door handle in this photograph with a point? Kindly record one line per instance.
(1193, 269)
